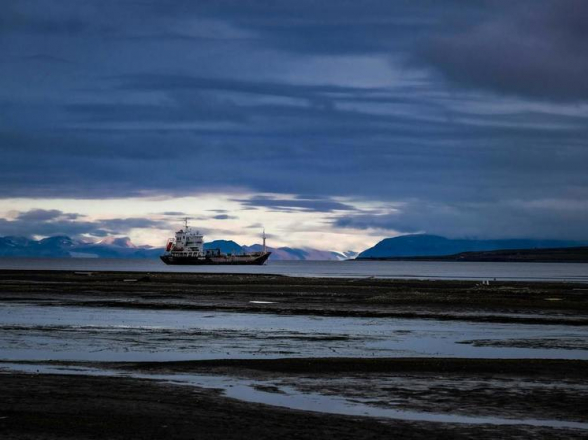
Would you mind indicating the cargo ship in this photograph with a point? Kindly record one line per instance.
(187, 248)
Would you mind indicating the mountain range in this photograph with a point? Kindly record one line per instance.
(282, 253)
(122, 247)
(418, 245)
(423, 245)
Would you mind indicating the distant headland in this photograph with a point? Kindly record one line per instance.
(424, 247)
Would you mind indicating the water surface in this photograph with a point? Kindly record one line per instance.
(31, 332)
(378, 269)
(289, 397)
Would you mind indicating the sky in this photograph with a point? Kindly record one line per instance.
(332, 124)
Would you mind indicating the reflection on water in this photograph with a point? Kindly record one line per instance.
(377, 269)
(288, 397)
(29, 332)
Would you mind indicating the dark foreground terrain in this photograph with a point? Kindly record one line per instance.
(499, 301)
(124, 403)
(85, 407)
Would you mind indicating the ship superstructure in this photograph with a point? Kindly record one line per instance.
(187, 247)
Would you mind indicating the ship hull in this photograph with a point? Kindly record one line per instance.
(221, 260)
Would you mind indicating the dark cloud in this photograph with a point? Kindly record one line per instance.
(54, 222)
(325, 28)
(197, 107)
(124, 224)
(440, 102)
(39, 25)
(224, 217)
(254, 226)
(562, 219)
(526, 48)
(41, 59)
(298, 204)
(267, 88)
(44, 215)
(523, 48)
(100, 233)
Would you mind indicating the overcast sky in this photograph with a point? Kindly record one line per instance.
(332, 123)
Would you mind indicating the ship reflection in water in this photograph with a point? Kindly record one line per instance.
(187, 248)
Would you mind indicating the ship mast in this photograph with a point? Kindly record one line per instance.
(264, 240)
(186, 223)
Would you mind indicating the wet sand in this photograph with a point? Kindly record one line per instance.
(516, 389)
(49, 406)
(516, 302)
(65, 407)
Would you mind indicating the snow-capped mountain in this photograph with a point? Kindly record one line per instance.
(123, 247)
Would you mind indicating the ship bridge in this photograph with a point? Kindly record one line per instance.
(187, 242)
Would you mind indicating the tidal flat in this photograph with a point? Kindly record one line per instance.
(152, 355)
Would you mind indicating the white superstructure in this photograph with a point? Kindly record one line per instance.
(187, 242)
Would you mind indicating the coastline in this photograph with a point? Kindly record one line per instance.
(86, 407)
(75, 399)
(417, 270)
(447, 300)
(548, 255)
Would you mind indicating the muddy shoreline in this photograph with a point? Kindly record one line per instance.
(577, 369)
(525, 388)
(127, 404)
(58, 407)
(499, 302)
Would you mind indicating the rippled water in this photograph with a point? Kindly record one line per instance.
(29, 332)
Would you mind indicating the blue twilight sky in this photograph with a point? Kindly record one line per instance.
(331, 123)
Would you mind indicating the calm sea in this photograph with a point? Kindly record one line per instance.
(348, 269)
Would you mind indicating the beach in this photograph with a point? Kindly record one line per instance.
(182, 355)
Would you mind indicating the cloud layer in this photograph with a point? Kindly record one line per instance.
(41, 222)
(526, 48)
(444, 107)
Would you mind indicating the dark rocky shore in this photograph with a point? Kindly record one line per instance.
(50, 406)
